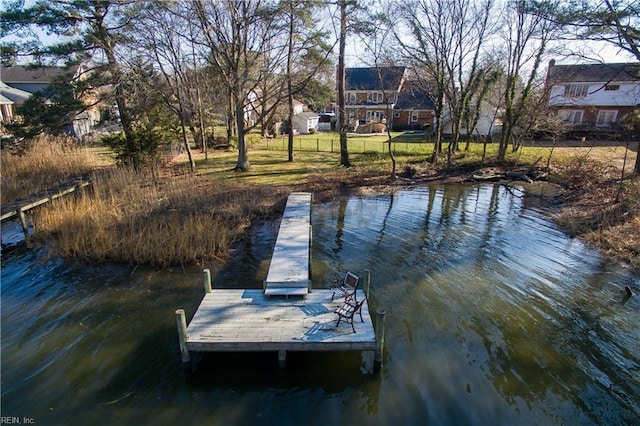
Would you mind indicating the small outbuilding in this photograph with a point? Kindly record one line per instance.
(304, 122)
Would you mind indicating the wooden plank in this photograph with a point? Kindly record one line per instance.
(247, 320)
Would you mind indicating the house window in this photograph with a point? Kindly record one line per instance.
(414, 117)
(606, 117)
(576, 90)
(612, 87)
(374, 116)
(571, 116)
(352, 98)
(396, 114)
(374, 97)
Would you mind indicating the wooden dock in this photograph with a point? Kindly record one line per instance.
(246, 320)
(18, 208)
(253, 320)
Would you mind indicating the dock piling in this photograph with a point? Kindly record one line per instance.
(379, 339)
(282, 358)
(181, 322)
(23, 222)
(207, 280)
(366, 291)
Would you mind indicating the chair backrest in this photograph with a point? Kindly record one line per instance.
(351, 280)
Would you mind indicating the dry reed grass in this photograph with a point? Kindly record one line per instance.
(601, 208)
(49, 161)
(128, 218)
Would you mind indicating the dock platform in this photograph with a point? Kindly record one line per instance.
(246, 320)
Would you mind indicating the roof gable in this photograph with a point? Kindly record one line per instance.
(411, 97)
(22, 74)
(590, 73)
(370, 78)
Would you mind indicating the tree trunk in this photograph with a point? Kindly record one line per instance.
(342, 110)
(183, 125)
(243, 162)
(636, 168)
(289, 84)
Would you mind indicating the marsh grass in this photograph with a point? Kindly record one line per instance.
(127, 218)
(600, 207)
(49, 161)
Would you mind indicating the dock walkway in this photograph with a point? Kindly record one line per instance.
(290, 268)
(17, 209)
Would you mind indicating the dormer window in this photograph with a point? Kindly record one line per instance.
(576, 90)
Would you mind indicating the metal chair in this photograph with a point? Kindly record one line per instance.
(348, 287)
(347, 311)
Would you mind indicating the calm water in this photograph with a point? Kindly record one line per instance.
(493, 317)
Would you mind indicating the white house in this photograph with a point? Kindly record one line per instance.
(11, 98)
(305, 121)
(489, 124)
(593, 96)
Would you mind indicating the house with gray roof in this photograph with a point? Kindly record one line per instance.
(33, 79)
(592, 98)
(372, 93)
(10, 99)
(414, 109)
(19, 82)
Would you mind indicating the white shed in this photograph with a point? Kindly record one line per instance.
(305, 121)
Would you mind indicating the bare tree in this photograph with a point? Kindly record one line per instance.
(244, 48)
(527, 33)
(445, 48)
(158, 38)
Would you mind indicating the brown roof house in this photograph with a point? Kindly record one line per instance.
(592, 98)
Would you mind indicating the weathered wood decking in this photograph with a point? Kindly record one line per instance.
(290, 269)
(251, 320)
(246, 320)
